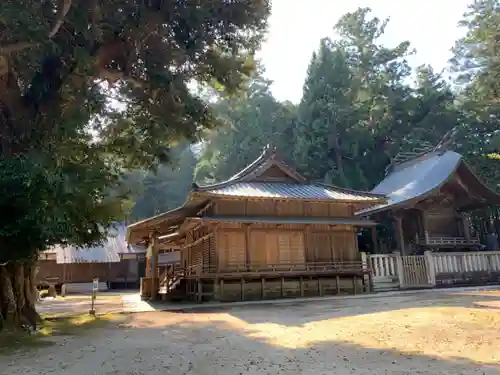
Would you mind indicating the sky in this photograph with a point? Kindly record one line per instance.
(296, 27)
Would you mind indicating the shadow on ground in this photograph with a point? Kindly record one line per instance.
(205, 344)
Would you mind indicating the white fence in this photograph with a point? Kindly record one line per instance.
(391, 271)
(385, 271)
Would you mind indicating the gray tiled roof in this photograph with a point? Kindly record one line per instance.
(416, 178)
(284, 190)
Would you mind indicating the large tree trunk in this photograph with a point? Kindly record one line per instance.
(18, 295)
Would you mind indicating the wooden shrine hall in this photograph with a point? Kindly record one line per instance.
(430, 197)
(266, 232)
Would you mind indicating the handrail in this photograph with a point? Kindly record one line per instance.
(443, 240)
(240, 268)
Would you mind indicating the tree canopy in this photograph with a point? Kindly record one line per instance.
(361, 105)
(92, 89)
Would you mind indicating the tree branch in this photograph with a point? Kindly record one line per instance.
(64, 7)
(15, 47)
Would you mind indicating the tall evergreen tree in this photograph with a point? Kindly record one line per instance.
(250, 122)
(477, 64)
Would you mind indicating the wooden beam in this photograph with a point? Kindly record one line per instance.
(191, 244)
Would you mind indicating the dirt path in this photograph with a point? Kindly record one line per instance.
(411, 334)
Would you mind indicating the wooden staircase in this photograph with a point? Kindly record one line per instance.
(172, 285)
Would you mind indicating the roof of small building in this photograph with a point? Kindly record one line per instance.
(243, 184)
(249, 183)
(421, 176)
(109, 252)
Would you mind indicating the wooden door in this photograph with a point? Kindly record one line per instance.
(231, 250)
(322, 247)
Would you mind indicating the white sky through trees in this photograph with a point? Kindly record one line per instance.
(296, 27)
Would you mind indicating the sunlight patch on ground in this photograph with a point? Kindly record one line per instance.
(444, 332)
(441, 332)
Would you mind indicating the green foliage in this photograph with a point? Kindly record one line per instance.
(476, 62)
(90, 90)
(166, 188)
(46, 204)
(358, 109)
(250, 121)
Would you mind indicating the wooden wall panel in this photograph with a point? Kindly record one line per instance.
(289, 208)
(297, 246)
(442, 225)
(281, 208)
(291, 247)
(272, 248)
(316, 209)
(344, 246)
(340, 210)
(336, 246)
(322, 247)
(261, 208)
(230, 207)
(231, 248)
(258, 253)
(277, 247)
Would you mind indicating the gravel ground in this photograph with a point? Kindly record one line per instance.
(425, 333)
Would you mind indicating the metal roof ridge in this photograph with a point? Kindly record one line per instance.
(351, 191)
(269, 155)
(407, 163)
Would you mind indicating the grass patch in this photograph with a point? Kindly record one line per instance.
(71, 325)
(88, 297)
(14, 339)
(43, 293)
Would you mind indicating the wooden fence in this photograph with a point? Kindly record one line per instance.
(392, 271)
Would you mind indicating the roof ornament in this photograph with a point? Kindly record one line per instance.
(446, 141)
(269, 149)
(440, 148)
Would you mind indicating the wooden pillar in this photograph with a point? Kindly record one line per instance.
(308, 245)
(148, 262)
(465, 225)
(199, 291)
(248, 255)
(221, 290)
(374, 240)
(154, 267)
(423, 220)
(215, 293)
(398, 232)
